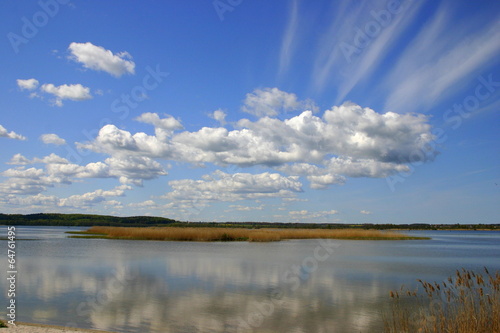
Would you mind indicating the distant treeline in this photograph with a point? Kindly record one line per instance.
(85, 220)
(82, 220)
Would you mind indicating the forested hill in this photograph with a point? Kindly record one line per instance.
(83, 220)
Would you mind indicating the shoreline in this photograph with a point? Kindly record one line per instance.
(43, 328)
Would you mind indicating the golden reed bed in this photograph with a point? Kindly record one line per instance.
(237, 234)
(468, 302)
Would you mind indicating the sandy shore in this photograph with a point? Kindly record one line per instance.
(38, 328)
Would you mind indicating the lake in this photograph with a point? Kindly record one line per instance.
(288, 286)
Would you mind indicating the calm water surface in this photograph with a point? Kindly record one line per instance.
(288, 286)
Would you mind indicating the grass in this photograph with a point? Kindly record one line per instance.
(235, 234)
(3, 324)
(467, 302)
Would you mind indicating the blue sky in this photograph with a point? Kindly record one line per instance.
(292, 111)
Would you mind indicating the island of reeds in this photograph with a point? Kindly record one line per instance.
(202, 234)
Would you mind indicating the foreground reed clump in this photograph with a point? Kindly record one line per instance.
(466, 303)
(236, 234)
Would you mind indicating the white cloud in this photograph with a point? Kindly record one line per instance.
(24, 181)
(51, 159)
(58, 170)
(288, 44)
(29, 84)
(339, 50)
(134, 169)
(272, 101)
(74, 92)
(243, 208)
(117, 142)
(169, 123)
(220, 116)
(365, 212)
(52, 139)
(376, 52)
(34, 200)
(437, 64)
(11, 135)
(85, 200)
(310, 217)
(347, 141)
(298, 212)
(92, 198)
(221, 186)
(99, 59)
(144, 204)
(19, 159)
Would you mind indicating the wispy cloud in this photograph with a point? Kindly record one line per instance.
(371, 57)
(288, 43)
(329, 55)
(446, 74)
(429, 79)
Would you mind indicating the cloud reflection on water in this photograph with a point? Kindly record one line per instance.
(194, 288)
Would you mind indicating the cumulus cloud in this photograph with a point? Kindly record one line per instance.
(58, 170)
(99, 59)
(19, 159)
(220, 116)
(221, 186)
(29, 84)
(144, 204)
(272, 101)
(85, 200)
(52, 139)
(117, 142)
(34, 200)
(346, 141)
(307, 216)
(11, 135)
(243, 208)
(92, 198)
(169, 123)
(73, 92)
(335, 170)
(365, 212)
(134, 169)
(24, 181)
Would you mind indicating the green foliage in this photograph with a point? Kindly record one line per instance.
(82, 220)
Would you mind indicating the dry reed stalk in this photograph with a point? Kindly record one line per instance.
(470, 302)
(231, 234)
